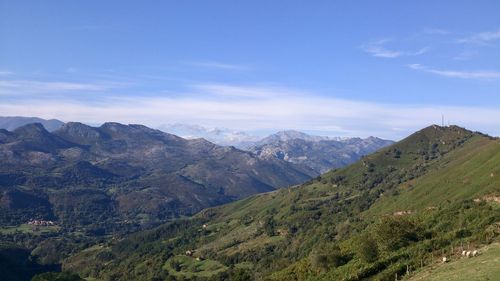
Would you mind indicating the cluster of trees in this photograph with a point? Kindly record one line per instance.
(390, 234)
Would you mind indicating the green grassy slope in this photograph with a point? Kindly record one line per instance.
(468, 173)
(341, 225)
(188, 267)
(484, 267)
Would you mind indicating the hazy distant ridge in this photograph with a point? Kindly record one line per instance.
(13, 122)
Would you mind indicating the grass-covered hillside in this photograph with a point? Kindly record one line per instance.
(484, 267)
(393, 213)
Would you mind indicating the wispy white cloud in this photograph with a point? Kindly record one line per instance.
(218, 65)
(5, 72)
(233, 91)
(379, 49)
(420, 51)
(262, 108)
(33, 86)
(458, 74)
(481, 38)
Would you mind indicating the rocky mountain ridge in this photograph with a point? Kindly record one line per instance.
(318, 153)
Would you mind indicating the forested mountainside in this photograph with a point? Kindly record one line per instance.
(394, 212)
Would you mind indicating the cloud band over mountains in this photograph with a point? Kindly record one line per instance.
(260, 108)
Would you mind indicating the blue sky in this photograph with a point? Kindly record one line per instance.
(347, 68)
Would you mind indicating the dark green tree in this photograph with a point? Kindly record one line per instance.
(393, 233)
(366, 249)
(270, 226)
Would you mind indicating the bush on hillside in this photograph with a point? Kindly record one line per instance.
(366, 249)
(393, 233)
(327, 257)
(269, 226)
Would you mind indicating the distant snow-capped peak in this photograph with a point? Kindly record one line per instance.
(219, 136)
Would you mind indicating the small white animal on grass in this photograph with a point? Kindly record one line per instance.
(445, 259)
(464, 252)
(468, 254)
(475, 253)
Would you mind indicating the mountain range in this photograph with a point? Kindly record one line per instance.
(100, 178)
(398, 213)
(318, 153)
(127, 202)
